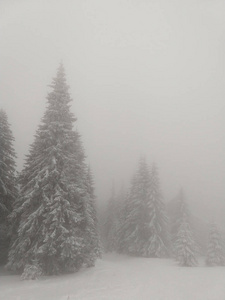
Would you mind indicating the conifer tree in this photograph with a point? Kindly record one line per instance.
(120, 215)
(159, 221)
(122, 232)
(110, 225)
(143, 232)
(215, 252)
(185, 246)
(8, 191)
(49, 217)
(93, 244)
(180, 209)
(136, 226)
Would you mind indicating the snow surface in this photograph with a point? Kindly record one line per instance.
(121, 277)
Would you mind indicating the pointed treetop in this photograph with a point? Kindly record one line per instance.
(61, 69)
(142, 165)
(142, 160)
(5, 124)
(3, 114)
(61, 73)
(59, 82)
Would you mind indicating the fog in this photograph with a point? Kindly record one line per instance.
(146, 77)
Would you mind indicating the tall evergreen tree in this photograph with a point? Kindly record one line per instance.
(93, 244)
(110, 225)
(120, 215)
(185, 246)
(176, 209)
(49, 217)
(159, 221)
(180, 209)
(122, 232)
(137, 221)
(8, 191)
(215, 252)
(143, 231)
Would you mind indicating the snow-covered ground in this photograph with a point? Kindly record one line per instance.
(122, 277)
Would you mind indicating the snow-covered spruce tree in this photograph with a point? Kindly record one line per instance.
(215, 252)
(158, 218)
(177, 208)
(49, 217)
(143, 232)
(135, 231)
(122, 231)
(180, 209)
(110, 225)
(8, 191)
(120, 216)
(93, 248)
(185, 246)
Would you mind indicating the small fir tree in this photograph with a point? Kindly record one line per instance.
(185, 246)
(215, 252)
(137, 233)
(158, 225)
(110, 226)
(50, 217)
(8, 190)
(143, 231)
(120, 214)
(180, 209)
(123, 233)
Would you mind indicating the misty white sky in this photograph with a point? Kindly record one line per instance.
(146, 76)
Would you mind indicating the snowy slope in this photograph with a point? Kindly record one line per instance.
(121, 277)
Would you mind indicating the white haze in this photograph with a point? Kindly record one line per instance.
(147, 77)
